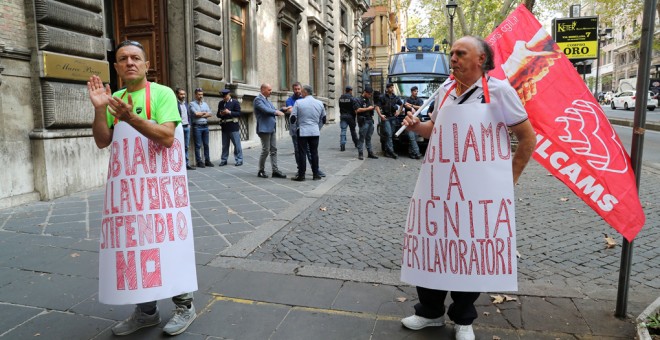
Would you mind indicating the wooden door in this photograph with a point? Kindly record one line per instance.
(145, 21)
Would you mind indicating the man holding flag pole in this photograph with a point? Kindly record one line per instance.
(467, 175)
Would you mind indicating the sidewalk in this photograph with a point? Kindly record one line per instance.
(272, 264)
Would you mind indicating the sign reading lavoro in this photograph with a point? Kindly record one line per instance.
(577, 37)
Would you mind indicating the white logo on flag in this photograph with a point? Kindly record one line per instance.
(594, 140)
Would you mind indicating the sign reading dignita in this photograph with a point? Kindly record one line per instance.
(63, 66)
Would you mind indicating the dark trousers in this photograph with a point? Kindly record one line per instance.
(347, 122)
(432, 305)
(186, 139)
(311, 142)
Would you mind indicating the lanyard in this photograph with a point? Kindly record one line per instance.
(484, 84)
(147, 100)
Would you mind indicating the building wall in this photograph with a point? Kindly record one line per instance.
(46, 142)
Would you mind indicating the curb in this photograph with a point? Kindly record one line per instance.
(629, 122)
(642, 331)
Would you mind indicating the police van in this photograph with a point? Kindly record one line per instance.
(420, 64)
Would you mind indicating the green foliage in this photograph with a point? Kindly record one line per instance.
(653, 321)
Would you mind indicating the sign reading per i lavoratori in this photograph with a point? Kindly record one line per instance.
(577, 37)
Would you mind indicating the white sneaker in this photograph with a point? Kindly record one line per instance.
(182, 318)
(464, 332)
(416, 322)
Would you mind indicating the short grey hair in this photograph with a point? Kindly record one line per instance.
(483, 47)
(308, 89)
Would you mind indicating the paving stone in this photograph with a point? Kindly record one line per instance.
(210, 244)
(12, 315)
(364, 297)
(57, 325)
(51, 291)
(235, 320)
(277, 288)
(311, 324)
(600, 318)
(552, 314)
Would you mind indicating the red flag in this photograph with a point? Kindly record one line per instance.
(575, 141)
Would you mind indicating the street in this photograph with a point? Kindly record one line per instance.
(278, 259)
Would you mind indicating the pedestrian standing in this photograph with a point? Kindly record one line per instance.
(186, 122)
(309, 114)
(137, 105)
(390, 104)
(266, 114)
(201, 112)
(365, 121)
(413, 103)
(472, 90)
(229, 111)
(347, 107)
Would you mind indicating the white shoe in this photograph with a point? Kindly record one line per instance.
(416, 322)
(464, 332)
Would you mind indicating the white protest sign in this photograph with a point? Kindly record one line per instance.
(460, 231)
(147, 248)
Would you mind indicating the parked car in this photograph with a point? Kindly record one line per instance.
(626, 100)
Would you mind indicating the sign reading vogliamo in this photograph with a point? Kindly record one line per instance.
(577, 37)
(63, 66)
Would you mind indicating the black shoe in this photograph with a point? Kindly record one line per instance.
(316, 177)
(190, 167)
(262, 174)
(223, 163)
(209, 164)
(372, 156)
(278, 174)
(200, 165)
(360, 156)
(298, 178)
(342, 148)
(239, 163)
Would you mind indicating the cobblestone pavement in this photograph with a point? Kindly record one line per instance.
(560, 239)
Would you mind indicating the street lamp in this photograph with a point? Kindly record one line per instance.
(602, 36)
(445, 44)
(451, 10)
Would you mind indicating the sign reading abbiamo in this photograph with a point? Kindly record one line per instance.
(147, 248)
(577, 37)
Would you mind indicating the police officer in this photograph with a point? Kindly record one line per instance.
(347, 106)
(413, 102)
(229, 111)
(365, 120)
(390, 104)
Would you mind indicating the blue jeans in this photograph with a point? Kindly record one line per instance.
(186, 140)
(202, 137)
(388, 129)
(233, 137)
(413, 148)
(366, 130)
(345, 123)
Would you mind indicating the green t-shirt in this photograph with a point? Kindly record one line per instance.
(163, 104)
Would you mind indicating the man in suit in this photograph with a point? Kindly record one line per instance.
(309, 114)
(266, 114)
(229, 110)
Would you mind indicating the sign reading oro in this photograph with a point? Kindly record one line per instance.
(62, 66)
(577, 37)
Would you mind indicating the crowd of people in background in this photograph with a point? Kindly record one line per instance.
(306, 116)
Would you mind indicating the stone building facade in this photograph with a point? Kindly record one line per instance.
(49, 48)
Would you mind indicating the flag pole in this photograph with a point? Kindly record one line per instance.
(639, 124)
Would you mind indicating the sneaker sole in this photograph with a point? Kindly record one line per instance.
(137, 329)
(432, 324)
(184, 328)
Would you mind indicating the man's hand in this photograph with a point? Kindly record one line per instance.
(121, 110)
(98, 94)
(529, 63)
(279, 113)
